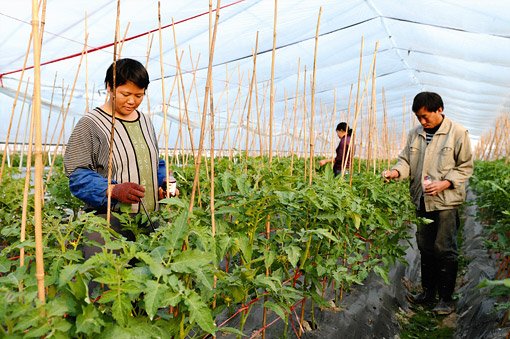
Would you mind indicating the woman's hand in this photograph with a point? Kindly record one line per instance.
(128, 192)
(324, 162)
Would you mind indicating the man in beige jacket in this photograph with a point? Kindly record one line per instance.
(438, 161)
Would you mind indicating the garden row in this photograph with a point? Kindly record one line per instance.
(279, 242)
(491, 183)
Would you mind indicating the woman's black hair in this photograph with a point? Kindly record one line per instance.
(127, 70)
(343, 127)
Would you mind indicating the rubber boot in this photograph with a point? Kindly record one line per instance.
(428, 282)
(447, 278)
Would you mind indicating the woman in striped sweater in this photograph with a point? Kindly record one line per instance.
(137, 171)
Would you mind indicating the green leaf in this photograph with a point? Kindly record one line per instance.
(293, 253)
(189, 261)
(233, 330)
(37, 332)
(275, 308)
(382, 272)
(89, 321)
(267, 282)
(173, 202)
(245, 247)
(221, 242)
(109, 276)
(226, 181)
(66, 274)
(5, 264)
(57, 307)
(170, 298)
(206, 278)
(179, 230)
(156, 268)
(200, 312)
(79, 288)
(121, 308)
(152, 297)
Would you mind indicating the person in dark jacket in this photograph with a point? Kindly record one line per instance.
(343, 156)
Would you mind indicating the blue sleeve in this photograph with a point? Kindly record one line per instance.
(161, 172)
(89, 187)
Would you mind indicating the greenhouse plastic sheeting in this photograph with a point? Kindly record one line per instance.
(458, 49)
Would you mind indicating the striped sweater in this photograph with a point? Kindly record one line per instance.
(87, 153)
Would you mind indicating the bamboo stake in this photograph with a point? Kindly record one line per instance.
(204, 113)
(36, 102)
(404, 137)
(65, 116)
(48, 122)
(167, 104)
(281, 128)
(213, 221)
(20, 117)
(86, 70)
(60, 114)
(312, 140)
(271, 96)
(14, 107)
(183, 92)
(304, 121)
(150, 39)
(114, 97)
(295, 118)
(385, 128)
(225, 136)
(333, 155)
(25, 195)
(250, 103)
(24, 138)
(259, 132)
(228, 111)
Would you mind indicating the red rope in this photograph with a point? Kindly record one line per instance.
(113, 43)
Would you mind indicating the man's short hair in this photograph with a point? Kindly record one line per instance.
(430, 100)
(127, 70)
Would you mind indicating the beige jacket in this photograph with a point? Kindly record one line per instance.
(447, 157)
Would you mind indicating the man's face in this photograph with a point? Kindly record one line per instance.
(129, 97)
(429, 119)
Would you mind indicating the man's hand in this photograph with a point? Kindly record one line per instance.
(436, 187)
(389, 174)
(128, 192)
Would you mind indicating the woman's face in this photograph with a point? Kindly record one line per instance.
(129, 97)
(340, 133)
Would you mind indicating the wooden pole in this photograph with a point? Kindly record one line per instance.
(14, 108)
(61, 135)
(114, 96)
(183, 92)
(250, 91)
(150, 39)
(36, 104)
(312, 140)
(48, 122)
(204, 113)
(25, 193)
(295, 118)
(271, 93)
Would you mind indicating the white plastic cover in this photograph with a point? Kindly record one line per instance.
(459, 49)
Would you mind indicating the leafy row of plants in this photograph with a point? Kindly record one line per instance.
(175, 281)
(491, 183)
